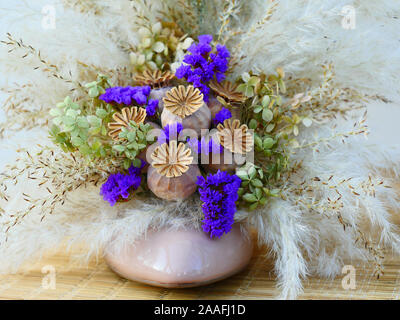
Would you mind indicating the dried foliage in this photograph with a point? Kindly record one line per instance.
(84, 6)
(54, 175)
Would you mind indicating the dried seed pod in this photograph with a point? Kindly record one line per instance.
(178, 188)
(182, 101)
(123, 118)
(159, 94)
(154, 79)
(172, 160)
(224, 161)
(153, 124)
(214, 105)
(235, 137)
(201, 119)
(145, 155)
(227, 90)
(172, 176)
(186, 105)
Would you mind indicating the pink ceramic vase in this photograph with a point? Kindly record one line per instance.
(182, 258)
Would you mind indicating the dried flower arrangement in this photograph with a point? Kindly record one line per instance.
(310, 211)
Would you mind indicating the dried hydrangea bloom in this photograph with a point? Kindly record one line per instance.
(172, 160)
(235, 137)
(123, 118)
(227, 90)
(182, 101)
(154, 79)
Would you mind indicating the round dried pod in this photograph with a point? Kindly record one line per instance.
(201, 119)
(159, 94)
(226, 161)
(218, 159)
(153, 124)
(235, 137)
(122, 119)
(186, 105)
(145, 155)
(228, 91)
(172, 176)
(154, 79)
(214, 105)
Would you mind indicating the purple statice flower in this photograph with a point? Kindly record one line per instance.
(219, 193)
(205, 146)
(221, 116)
(202, 64)
(126, 95)
(152, 107)
(119, 186)
(170, 132)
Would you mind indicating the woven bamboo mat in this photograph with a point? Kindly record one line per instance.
(97, 281)
(257, 281)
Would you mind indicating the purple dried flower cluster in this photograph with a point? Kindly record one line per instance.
(222, 115)
(119, 186)
(152, 107)
(205, 146)
(129, 96)
(170, 132)
(126, 95)
(201, 65)
(219, 193)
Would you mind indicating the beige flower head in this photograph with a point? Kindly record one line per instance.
(172, 160)
(227, 90)
(183, 101)
(235, 137)
(123, 118)
(154, 79)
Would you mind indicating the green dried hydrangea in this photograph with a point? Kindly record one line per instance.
(276, 121)
(83, 128)
(132, 141)
(159, 46)
(75, 130)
